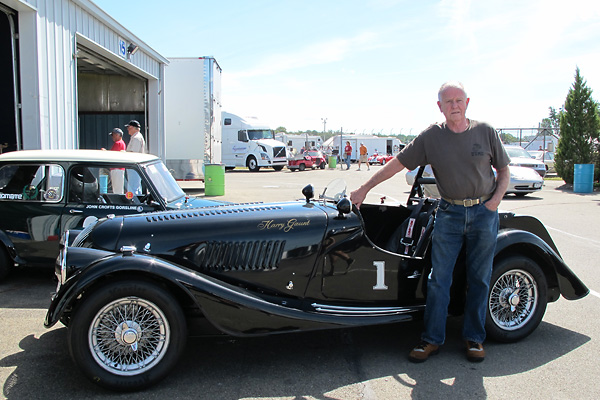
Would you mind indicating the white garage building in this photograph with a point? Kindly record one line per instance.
(69, 73)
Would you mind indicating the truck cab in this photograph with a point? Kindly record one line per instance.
(250, 143)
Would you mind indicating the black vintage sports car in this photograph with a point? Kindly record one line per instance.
(130, 286)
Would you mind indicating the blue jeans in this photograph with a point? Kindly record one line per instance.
(348, 161)
(477, 228)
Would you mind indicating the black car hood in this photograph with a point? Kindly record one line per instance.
(247, 236)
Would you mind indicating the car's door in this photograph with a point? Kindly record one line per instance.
(95, 191)
(31, 203)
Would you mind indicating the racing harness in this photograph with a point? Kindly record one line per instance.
(407, 238)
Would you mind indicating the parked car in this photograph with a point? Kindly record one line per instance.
(381, 159)
(522, 181)
(519, 157)
(309, 159)
(317, 157)
(547, 157)
(130, 286)
(300, 163)
(46, 192)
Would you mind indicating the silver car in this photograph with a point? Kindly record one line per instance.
(523, 181)
(547, 157)
(519, 157)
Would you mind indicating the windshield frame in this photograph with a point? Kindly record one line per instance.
(163, 182)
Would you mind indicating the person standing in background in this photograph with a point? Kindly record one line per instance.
(117, 175)
(363, 157)
(347, 154)
(137, 144)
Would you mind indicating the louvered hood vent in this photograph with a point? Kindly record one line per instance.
(240, 256)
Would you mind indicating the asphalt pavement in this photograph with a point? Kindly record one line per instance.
(558, 361)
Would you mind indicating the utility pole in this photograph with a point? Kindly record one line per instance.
(340, 156)
(324, 120)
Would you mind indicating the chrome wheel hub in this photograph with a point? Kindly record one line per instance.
(128, 334)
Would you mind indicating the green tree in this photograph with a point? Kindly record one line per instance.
(554, 118)
(281, 129)
(579, 125)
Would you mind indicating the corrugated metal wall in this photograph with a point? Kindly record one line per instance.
(58, 24)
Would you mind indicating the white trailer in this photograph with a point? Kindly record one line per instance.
(374, 144)
(192, 116)
(247, 142)
(297, 142)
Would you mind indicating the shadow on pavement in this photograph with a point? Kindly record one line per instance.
(295, 365)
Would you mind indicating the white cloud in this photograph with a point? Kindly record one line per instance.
(314, 54)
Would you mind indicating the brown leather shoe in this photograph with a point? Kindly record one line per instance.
(475, 352)
(422, 351)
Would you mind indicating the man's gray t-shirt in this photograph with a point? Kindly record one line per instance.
(462, 162)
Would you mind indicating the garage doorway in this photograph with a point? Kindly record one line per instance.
(108, 97)
(10, 132)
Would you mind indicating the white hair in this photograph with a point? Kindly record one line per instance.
(451, 84)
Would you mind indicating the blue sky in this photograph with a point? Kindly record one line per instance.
(376, 65)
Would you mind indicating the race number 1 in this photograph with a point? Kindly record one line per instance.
(380, 265)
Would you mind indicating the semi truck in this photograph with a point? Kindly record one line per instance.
(192, 116)
(248, 142)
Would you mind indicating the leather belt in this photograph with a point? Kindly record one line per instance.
(469, 202)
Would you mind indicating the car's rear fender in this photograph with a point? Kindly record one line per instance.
(560, 278)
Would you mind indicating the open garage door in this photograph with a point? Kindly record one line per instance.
(108, 97)
(10, 126)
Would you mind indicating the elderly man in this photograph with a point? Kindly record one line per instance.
(462, 153)
(137, 144)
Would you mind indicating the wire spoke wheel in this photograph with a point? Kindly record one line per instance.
(129, 336)
(513, 299)
(517, 299)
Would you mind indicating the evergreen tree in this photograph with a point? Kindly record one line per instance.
(579, 125)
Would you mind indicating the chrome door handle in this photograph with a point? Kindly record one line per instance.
(73, 211)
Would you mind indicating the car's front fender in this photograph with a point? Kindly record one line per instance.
(105, 263)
